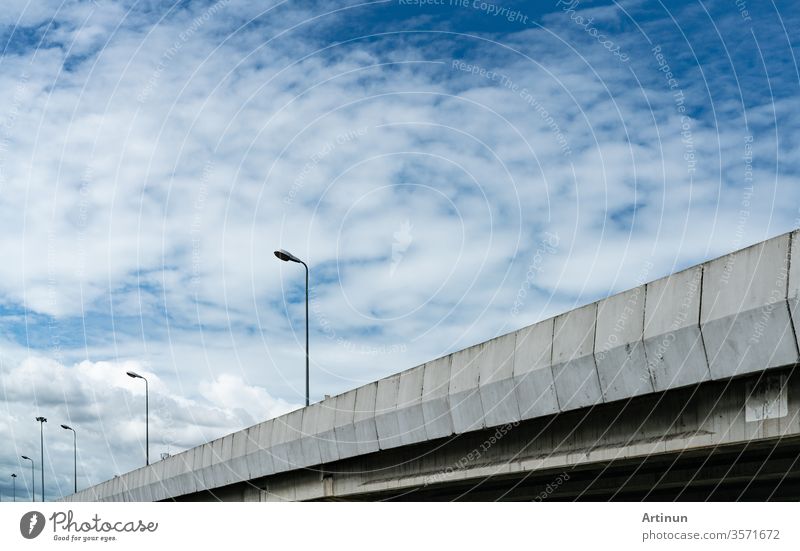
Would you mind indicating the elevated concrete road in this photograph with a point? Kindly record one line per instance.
(682, 387)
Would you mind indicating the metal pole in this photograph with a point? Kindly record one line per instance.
(147, 418)
(33, 478)
(41, 447)
(286, 256)
(75, 458)
(14, 479)
(307, 392)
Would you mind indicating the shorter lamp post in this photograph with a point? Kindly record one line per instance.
(74, 454)
(14, 479)
(42, 421)
(33, 478)
(286, 256)
(135, 375)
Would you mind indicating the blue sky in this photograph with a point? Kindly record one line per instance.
(450, 172)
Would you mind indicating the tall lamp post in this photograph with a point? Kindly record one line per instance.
(286, 256)
(14, 482)
(33, 478)
(146, 413)
(75, 454)
(42, 421)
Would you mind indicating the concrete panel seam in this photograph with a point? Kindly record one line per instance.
(788, 289)
(644, 328)
(552, 374)
(700, 317)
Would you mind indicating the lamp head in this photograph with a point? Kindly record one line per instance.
(26, 457)
(13, 475)
(67, 427)
(41, 419)
(134, 375)
(286, 256)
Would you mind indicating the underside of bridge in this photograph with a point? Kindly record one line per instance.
(756, 472)
(726, 440)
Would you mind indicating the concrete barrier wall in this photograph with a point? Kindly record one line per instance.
(745, 317)
(731, 316)
(574, 368)
(674, 347)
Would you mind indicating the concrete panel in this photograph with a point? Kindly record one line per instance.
(435, 398)
(144, 494)
(278, 443)
(204, 473)
(574, 369)
(146, 488)
(184, 480)
(130, 484)
(201, 454)
(674, 348)
(533, 378)
(171, 471)
(326, 438)
(619, 352)
(744, 316)
(118, 488)
(215, 476)
(252, 458)
(259, 459)
(465, 399)
(309, 446)
(409, 406)
(294, 436)
(344, 428)
(386, 422)
(364, 419)
(496, 381)
(237, 465)
(157, 489)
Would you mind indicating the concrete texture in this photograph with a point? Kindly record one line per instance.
(729, 317)
(387, 424)
(465, 400)
(435, 398)
(364, 419)
(619, 351)
(745, 314)
(533, 376)
(294, 439)
(409, 407)
(278, 444)
(496, 381)
(309, 443)
(344, 428)
(574, 370)
(674, 347)
(326, 438)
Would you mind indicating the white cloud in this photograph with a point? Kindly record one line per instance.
(106, 408)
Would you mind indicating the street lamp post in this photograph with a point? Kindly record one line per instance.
(286, 256)
(146, 413)
(33, 478)
(14, 485)
(75, 454)
(42, 421)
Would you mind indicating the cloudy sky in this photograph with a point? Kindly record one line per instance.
(450, 171)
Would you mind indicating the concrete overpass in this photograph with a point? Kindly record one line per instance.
(683, 388)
